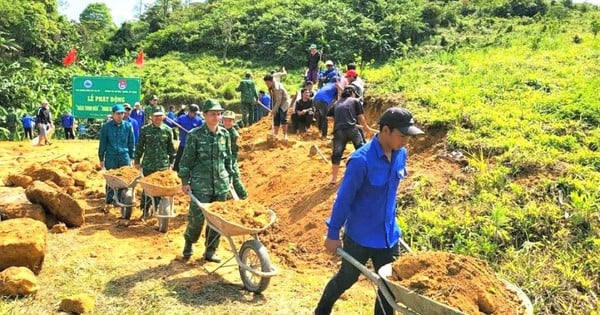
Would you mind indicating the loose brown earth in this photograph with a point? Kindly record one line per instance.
(463, 282)
(282, 176)
(246, 213)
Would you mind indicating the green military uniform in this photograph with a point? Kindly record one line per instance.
(237, 181)
(11, 124)
(206, 167)
(155, 147)
(249, 97)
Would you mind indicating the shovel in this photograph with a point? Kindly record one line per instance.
(314, 150)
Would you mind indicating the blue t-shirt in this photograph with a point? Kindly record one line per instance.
(366, 200)
(138, 116)
(265, 99)
(67, 121)
(188, 123)
(327, 94)
(171, 116)
(136, 129)
(28, 122)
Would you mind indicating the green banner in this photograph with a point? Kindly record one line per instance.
(94, 97)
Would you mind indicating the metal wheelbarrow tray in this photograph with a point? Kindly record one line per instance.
(252, 258)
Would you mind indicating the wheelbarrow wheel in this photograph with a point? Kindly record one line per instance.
(126, 198)
(163, 210)
(254, 255)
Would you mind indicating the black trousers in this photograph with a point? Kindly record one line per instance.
(340, 138)
(28, 133)
(69, 133)
(348, 275)
(321, 116)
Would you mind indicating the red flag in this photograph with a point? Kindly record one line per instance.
(70, 58)
(139, 61)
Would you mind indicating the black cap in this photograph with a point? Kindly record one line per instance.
(401, 119)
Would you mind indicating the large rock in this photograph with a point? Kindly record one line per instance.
(57, 176)
(22, 243)
(18, 180)
(17, 281)
(79, 304)
(63, 206)
(14, 204)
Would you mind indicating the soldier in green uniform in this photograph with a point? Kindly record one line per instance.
(249, 98)
(11, 123)
(205, 169)
(152, 108)
(229, 124)
(155, 151)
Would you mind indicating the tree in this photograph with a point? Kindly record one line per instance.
(595, 27)
(95, 27)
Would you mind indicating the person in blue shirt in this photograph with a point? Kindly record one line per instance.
(170, 122)
(264, 99)
(323, 99)
(67, 122)
(329, 74)
(133, 122)
(138, 114)
(116, 146)
(189, 122)
(366, 206)
(28, 124)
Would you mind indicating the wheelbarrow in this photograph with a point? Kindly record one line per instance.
(252, 258)
(407, 301)
(165, 207)
(123, 192)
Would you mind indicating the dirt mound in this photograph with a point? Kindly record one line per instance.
(166, 178)
(123, 176)
(463, 282)
(245, 213)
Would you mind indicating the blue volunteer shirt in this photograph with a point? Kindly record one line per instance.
(326, 94)
(136, 129)
(366, 200)
(28, 122)
(67, 120)
(265, 100)
(188, 123)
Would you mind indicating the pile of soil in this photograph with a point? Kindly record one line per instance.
(125, 173)
(246, 213)
(166, 178)
(464, 282)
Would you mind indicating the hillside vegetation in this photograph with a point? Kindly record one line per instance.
(511, 84)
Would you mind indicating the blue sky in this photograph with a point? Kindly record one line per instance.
(123, 10)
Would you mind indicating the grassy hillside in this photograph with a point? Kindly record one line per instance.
(526, 112)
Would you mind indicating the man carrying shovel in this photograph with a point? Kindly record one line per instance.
(366, 206)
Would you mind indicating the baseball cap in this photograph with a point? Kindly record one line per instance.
(118, 109)
(228, 114)
(351, 73)
(312, 46)
(211, 105)
(127, 106)
(329, 63)
(159, 113)
(401, 119)
(154, 97)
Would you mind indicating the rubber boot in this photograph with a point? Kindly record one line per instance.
(187, 250)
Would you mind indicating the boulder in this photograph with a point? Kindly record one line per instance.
(78, 304)
(14, 204)
(58, 228)
(17, 281)
(64, 207)
(18, 180)
(57, 176)
(22, 243)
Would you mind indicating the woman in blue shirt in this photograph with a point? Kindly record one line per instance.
(366, 206)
